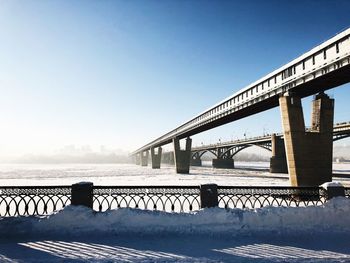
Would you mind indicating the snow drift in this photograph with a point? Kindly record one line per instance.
(333, 218)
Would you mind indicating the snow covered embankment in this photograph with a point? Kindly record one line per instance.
(333, 218)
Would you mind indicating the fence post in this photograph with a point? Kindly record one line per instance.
(209, 195)
(82, 194)
(334, 190)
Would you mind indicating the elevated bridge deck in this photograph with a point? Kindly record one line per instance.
(306, 152)
(323, 67)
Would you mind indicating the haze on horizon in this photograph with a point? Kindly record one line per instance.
(123, 73)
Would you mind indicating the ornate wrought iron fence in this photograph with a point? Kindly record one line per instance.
(33, 200)
(43, 200)
(163, 198)
(257, 197)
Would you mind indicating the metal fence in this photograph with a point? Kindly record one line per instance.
(257, 197)
(163, 198)
(44, 200)
(33, 200)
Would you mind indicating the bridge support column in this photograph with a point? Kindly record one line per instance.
(224, 163)
(196, 160)
(182, 157)
(168, 158)
(156, 157)
(223, 160)
(309, 154)
(137, 159)
(144, 158)
(278, 161)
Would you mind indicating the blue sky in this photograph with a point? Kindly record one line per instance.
(121, 73)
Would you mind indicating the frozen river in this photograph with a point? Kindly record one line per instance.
(77, 234)
(250, 174)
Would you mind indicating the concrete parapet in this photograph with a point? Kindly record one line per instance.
(224, 163)
(309, 154)
(182, 157)
(156, 157)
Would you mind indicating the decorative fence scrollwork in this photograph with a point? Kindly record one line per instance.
(33, 200)
(44, 200)
(257, 197)
(163, 198)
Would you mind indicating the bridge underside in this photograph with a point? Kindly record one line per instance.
(319, 84)
(303, 158)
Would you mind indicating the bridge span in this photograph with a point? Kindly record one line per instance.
(225, 151)
(324, 67)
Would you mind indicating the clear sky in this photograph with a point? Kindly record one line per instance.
(121, 73)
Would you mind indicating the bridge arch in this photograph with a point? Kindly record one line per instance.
(199, 154)
(232, 151)
(247, 146)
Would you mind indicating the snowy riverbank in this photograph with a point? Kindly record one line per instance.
(271, 234)
(333, 218)
(76, 234)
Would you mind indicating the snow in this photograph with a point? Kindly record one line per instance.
(331, 184)
(250, 174)
(78, 221)
(213, 235)
(269, 234)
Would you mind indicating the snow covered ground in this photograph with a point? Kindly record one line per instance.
(76, 234)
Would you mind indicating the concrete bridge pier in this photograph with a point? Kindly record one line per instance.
(137, 159)
(156, 157)
(223, 161)
(196, 160)
(168, 158)
(144, 158)
(278, 161)
(309, 154)
(182, 157)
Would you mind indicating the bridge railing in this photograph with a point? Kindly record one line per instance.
(44, 200)
(339, 128)
(262, 138)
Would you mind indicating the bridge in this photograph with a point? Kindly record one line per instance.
(324, 67)
(225, 151)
